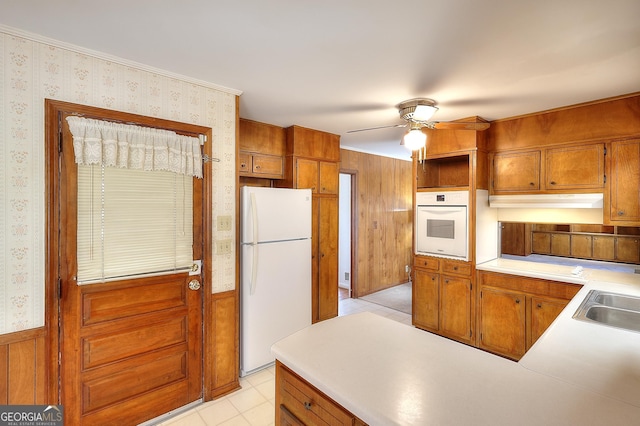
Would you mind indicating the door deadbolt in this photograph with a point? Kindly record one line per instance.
(194, 285)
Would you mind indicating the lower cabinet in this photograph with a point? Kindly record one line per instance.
(514, 311)
(443, 299)
(300, 403)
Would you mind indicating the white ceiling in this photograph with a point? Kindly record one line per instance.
(339, 65)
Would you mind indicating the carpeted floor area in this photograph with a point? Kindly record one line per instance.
(398, 298)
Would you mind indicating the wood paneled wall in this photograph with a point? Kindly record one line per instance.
(23, 368)
(384, 220)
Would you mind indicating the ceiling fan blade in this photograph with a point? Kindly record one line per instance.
(377, 128)
(460, 126)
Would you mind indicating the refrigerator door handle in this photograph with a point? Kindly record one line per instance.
(254, 244)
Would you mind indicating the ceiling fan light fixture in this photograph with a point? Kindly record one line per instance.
(415, 139)
(418, 110)
(424, 112)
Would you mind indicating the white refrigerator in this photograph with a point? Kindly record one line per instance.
(275, 270)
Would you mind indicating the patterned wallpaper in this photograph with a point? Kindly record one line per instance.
(33, 69)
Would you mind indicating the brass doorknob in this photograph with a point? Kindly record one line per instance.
(194, 285)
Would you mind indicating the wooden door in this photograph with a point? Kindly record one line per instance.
(455, 308)
(560, 244)
(307, 174)
(625, 180)
(516, 171)
(543, 312)
(627, 249)
(603, 247)
(582, 246)
(426, 299)
(327, 257)
(513, 239)
(329, 178)
(502, 322)
(130, 350)
(576, 167)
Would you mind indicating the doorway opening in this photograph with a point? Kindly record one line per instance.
(347, 243)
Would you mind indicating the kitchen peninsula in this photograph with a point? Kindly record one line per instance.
(385, 373)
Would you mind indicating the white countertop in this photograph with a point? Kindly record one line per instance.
(387, 373)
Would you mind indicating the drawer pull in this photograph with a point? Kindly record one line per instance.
(539, 305)
(307, 405)
(517, 300)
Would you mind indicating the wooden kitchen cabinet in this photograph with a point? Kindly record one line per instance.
(581, 246)
(322, 177)
(313, 161)
(623, 206)
(300, 403)
(515, 171)
(603, 247)
(501, 322)
(443, 298)
(627, 249)
(261, 150)
(426, 299)
(260, 165)
(575, 168)
(514, 311)
(515, 238)
(543, 311)
(324, 243)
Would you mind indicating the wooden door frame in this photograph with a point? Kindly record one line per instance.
(53, 110)
(354, 228)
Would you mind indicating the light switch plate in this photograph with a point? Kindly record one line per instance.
(224, 223)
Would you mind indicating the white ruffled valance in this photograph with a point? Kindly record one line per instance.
(134, 147)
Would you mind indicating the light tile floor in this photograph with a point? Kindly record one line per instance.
(254, 404)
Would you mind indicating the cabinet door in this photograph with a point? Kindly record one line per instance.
(426, 299)
(267, 165)
(455, 308)
(543, 312)
(627, 249)
(516, 171)
(603, 248)
(329, 178)
(512, 239)
(577, 167)
(244, 163)
(502, 322)
(327, 257)
(560, 244)
(541, 242)
(625, 181)
(307, 174)
(582, 246)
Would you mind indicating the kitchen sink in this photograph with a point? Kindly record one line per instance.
(620, 301)
(612, 309)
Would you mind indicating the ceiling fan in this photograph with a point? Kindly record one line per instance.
(417, 114)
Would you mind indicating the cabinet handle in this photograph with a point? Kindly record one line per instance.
(446, 281)
(258, 167)
(552, 183)
(307, 405)
(531, 184)
(620, 213)
(539, 305)
(455, 268)
(243, 165)
(433, 278)
(517, 300)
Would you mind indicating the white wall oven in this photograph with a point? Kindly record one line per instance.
(442, 221)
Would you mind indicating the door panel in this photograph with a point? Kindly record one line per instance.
(130, 350)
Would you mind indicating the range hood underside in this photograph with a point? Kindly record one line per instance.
(547, 201)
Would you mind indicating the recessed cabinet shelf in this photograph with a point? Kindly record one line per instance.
(594, 242)
(448, 172)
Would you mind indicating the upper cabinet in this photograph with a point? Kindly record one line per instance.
(262, 149)
(624, 193)
(562, 168)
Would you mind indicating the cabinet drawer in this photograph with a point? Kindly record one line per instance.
(307, 403)
(424, 262)
(453, 267)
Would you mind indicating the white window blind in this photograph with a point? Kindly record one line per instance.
(132, 222)
(135, 199)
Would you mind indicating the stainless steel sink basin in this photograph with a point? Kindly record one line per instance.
(620, 301)
(612, 309)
